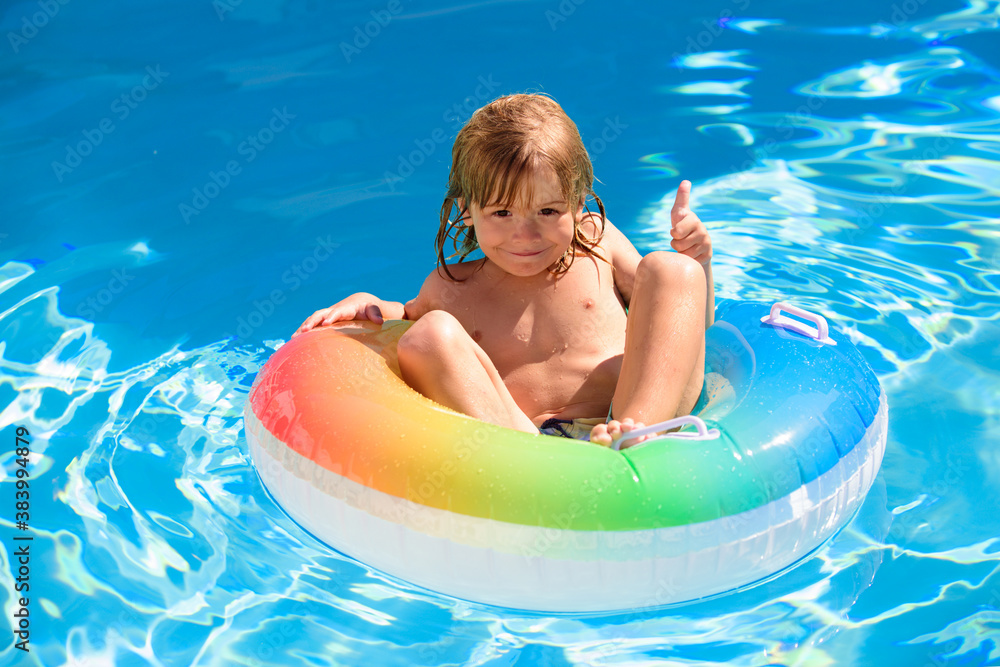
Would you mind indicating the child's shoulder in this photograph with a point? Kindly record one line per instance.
(441, 290)
(460, 271)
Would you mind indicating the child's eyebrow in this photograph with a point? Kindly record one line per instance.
(550, 203)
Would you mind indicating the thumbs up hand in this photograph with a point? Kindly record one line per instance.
(689, 233)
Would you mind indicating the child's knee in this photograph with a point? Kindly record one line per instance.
(435, 332)
(670, 268)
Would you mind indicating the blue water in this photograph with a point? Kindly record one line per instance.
(184, 182)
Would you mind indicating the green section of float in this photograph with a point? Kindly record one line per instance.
(552, 482)
(798, 407)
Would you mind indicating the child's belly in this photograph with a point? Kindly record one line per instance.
(567, 391)
(573, 384)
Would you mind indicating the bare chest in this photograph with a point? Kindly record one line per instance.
(565, 324)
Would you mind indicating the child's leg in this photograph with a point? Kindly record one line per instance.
(664, 363)
(438, 358)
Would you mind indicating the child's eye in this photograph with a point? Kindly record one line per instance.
(549, 211)
(502, 213)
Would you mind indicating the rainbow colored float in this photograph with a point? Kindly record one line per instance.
(483, 513)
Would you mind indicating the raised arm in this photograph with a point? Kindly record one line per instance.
(692, 239)
(689, 238)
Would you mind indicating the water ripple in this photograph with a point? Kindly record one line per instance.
(892, 232)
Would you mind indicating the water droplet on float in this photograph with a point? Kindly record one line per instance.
(480, 471)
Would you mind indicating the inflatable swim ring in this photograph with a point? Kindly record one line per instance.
(777, 466)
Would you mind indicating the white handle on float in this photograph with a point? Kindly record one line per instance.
(821, 333)
(704, 433)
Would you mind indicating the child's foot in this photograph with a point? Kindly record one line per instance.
(606, 434)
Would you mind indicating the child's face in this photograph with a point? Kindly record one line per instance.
(527, 238)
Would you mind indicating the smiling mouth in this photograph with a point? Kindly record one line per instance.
(525, 254)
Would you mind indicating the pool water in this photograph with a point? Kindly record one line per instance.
(184, 182)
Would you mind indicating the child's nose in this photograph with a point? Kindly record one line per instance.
(526, 227)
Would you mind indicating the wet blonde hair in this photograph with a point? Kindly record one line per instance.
(492, 162)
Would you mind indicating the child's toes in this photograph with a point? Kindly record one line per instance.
(627, 426)
(607, 434)
(599, 435)
(614, 430)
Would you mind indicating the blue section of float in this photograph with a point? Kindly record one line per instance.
(799, 405)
